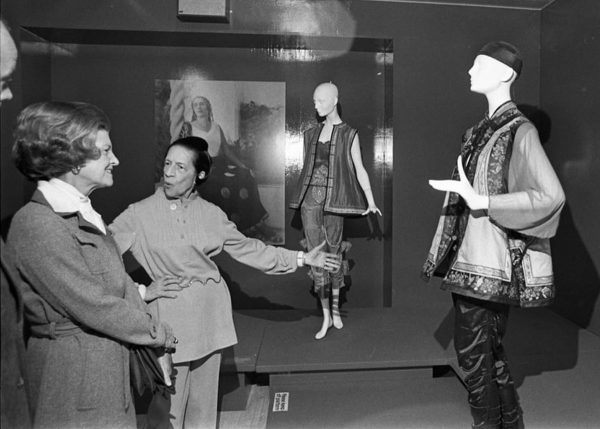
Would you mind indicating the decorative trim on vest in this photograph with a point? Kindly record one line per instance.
(344, 195)
(504, 274)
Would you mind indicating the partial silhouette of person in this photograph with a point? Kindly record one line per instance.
(14, 412)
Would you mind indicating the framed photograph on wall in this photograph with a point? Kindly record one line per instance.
(244, 126)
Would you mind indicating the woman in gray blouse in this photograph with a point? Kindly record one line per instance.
(175, 233)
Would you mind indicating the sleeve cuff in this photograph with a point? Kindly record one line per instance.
(142, 290)
(300, 258)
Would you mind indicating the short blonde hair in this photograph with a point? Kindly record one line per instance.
(53, 138)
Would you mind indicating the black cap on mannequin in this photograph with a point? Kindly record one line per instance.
(505, 53)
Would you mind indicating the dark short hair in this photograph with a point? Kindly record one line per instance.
(199, 147)
(55, 137)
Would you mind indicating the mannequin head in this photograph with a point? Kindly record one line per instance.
(489, 75)
(325, 98)
(496, 67)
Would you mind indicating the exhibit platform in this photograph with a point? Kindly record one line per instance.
(395, 367)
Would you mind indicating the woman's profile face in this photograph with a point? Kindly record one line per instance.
(201, 107)
(97, 173)
(179, 173)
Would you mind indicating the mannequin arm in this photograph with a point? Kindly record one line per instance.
(463, 188)
(363, 177)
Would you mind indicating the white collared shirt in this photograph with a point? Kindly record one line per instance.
(65, 198)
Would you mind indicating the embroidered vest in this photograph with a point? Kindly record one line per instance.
(344, 195)
(502, 271)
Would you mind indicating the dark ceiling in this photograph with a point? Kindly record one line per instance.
(512, 4)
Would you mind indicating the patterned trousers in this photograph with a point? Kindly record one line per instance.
(321, 226)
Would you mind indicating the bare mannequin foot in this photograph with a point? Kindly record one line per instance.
(327, 323)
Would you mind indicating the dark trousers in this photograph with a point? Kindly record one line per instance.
(479, 328)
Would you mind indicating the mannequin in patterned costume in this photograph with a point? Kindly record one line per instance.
(492, 242)
(328, 189)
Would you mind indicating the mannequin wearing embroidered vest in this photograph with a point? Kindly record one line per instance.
(329, 187)
(491, 245)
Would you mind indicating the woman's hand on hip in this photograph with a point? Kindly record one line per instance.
(165, 287)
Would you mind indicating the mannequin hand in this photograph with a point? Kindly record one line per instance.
(320, 259)
(463, 188)
(371, 209)
(165, 287)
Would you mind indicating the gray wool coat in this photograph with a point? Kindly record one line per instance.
(14, 409)
(83, 310)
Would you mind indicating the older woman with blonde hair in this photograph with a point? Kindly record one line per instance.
(82, 308)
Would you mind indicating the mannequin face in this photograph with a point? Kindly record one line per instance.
(488, 74)
(325, 99)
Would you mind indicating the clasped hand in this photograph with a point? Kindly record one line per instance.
(317, 258)
(463, 188)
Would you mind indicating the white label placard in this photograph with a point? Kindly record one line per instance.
(281, 401)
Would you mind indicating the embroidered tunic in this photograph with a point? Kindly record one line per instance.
(502, 255)
(318, 180)
(179, 238)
